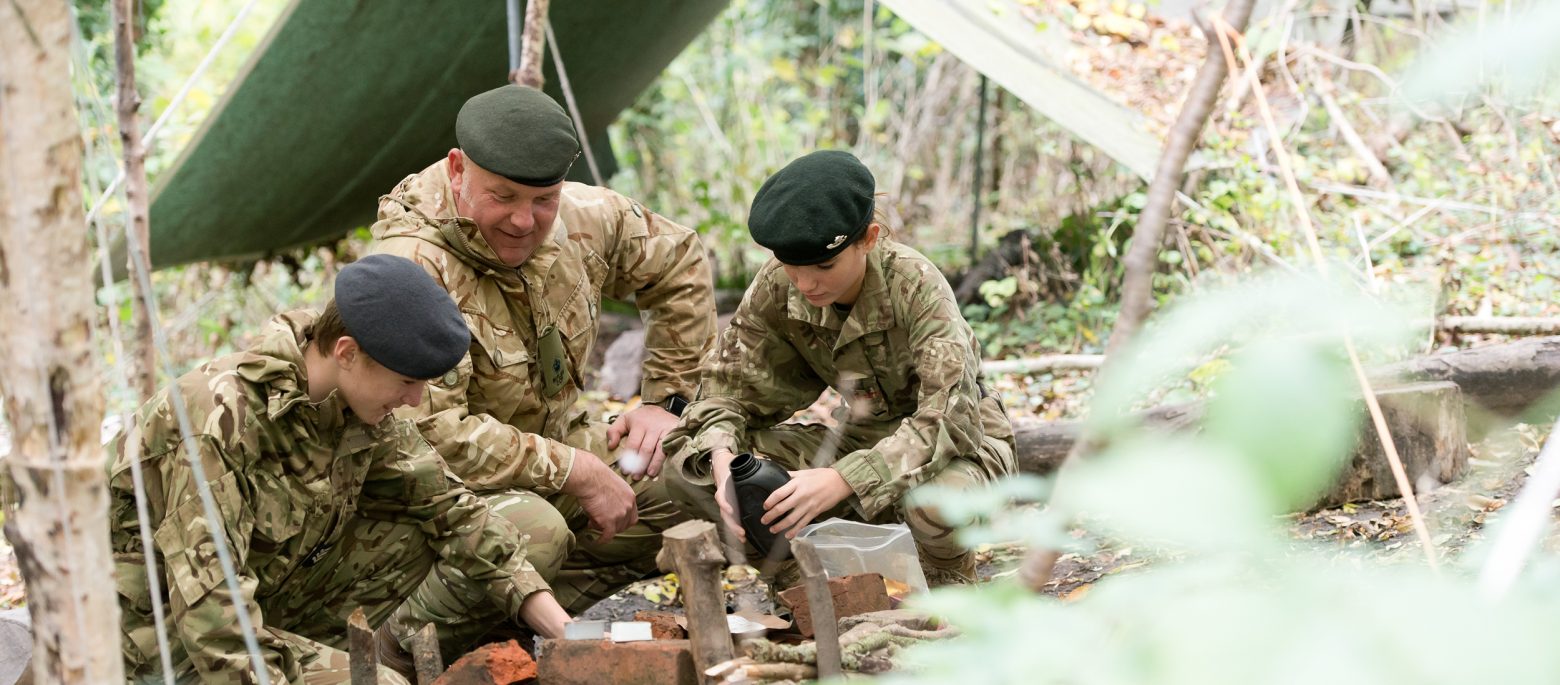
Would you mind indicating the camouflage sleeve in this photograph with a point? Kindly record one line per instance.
(202, 613)
(946, 422)
(486, 453)
(753, 378)
(662, 265)
(410, 484)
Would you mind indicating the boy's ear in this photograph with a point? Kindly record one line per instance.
(346, 351)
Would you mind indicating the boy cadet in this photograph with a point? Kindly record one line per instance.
(529, 257)
(328, 503)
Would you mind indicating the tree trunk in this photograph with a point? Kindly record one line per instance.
(533, 39)
(143, 365)
(1143, 257)
(59, 525)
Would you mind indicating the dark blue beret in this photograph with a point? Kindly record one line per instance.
(519, 133)
(401, 317)
(814, 208)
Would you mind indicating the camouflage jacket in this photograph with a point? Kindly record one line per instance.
(903, 354)
(287, 477)
(491, 418)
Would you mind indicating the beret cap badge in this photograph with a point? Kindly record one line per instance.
(838, 241)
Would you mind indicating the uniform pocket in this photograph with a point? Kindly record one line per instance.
(184, 538)
(577, 321)
(501, 345)
(135, 602)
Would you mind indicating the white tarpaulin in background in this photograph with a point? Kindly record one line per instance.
(995, 39)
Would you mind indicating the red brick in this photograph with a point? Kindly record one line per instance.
(853, 595)
(593, 662)
(663, 625)
(500, 663)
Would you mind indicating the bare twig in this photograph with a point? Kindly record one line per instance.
(1378, 171)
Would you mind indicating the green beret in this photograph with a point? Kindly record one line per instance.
(519, 133)
(401, 317)
(814, 208)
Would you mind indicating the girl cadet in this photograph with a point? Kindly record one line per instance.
(842, 306)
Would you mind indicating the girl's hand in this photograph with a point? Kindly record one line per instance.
(810, 493)
(725, 493)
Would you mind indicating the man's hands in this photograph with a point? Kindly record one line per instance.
(607, 499)
(640, 431)
(810, 493)
(542, 612)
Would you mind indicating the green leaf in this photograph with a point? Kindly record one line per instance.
(1287, 410)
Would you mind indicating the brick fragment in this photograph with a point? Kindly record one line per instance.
(499, 663)
(857, 594)
(593, 662)
(663, 625)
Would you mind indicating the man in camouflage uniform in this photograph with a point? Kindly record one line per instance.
(529, 258)
(327, 503)
(839, 307)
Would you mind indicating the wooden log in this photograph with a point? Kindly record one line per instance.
(692, 550)
(1427, 425)
(1426, 420)
(1519, 379)
(1510, 379)
(425, 654)
(1500, 325)
(1042, 445)
(362, 650)
(826, 630)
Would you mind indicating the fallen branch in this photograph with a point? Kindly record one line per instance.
(1503, 325)
(1043, 363)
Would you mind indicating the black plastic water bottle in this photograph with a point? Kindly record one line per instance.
(755, 479)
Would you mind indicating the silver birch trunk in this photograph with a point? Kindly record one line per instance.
(59, 523)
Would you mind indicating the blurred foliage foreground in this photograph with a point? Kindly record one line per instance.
(1230, 596)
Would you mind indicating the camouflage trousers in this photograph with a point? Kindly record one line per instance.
(376, 566)
(691, 484)
(580, 569)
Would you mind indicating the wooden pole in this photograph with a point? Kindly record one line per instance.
(53, 399)
(143, 365)
(826, 628)
(691, 550)
(532, 39)
(362, 650)
(977, 191)
(425, 653)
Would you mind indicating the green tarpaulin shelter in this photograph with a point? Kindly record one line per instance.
(346, 97)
